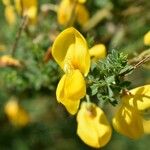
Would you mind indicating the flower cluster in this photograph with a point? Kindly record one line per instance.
(23, 8)
(71, 52)
(70, 11)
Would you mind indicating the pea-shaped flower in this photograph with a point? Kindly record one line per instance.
(16, 114)
(27, 8)
(9, 12)
(139, 98)
(71, 53)
(128, 120)
(93, 127)
(98, 51)
(71, 10)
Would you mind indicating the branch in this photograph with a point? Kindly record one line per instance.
(21, 28)
(144, 60)
(140, 59)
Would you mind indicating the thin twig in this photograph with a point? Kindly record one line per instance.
(140, 56)
(21, 28)
(144, 60)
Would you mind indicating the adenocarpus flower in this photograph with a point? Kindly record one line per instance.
(16, 114)
(98, 51)
(71, 52)
(147, 38)
(128, 120)
(71, 10)
(7, 60)
(9, 12)
(93, 127)
(139, 98)
(27, 8)
(24, 7)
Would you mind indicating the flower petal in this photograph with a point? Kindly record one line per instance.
(93, 127)
(98, 51)
(139, 98)
(29, 8)
(16, 114)
(70, 90)
(70, 48)
(64, 12)
(7, 60)
(128, 122)
(10, 15)
(82, 14)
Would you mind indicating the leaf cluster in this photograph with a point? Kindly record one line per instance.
(106, 78)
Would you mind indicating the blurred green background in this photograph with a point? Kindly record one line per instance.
(34, 84)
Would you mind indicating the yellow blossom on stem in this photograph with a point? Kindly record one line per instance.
(16, 114)
(139, 98)
(147, 38)
(129, 120)
(71, 10)
(27, 8)
(9, 12)
(71, 53)
(93, 127)
(98, 51)
(7, 60)
(10, 15)
(82, 14)
(64, 12)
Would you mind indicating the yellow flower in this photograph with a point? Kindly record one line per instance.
(70, 90)
(139, 98)
(9, 12)
(29, 8)
(7, 60)
(64, 12)
(128, 120)
(98, 52)
(16, 114)
(93, 127)
(147, 38)
(82, 14)
(71, 53)
(69, 11)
